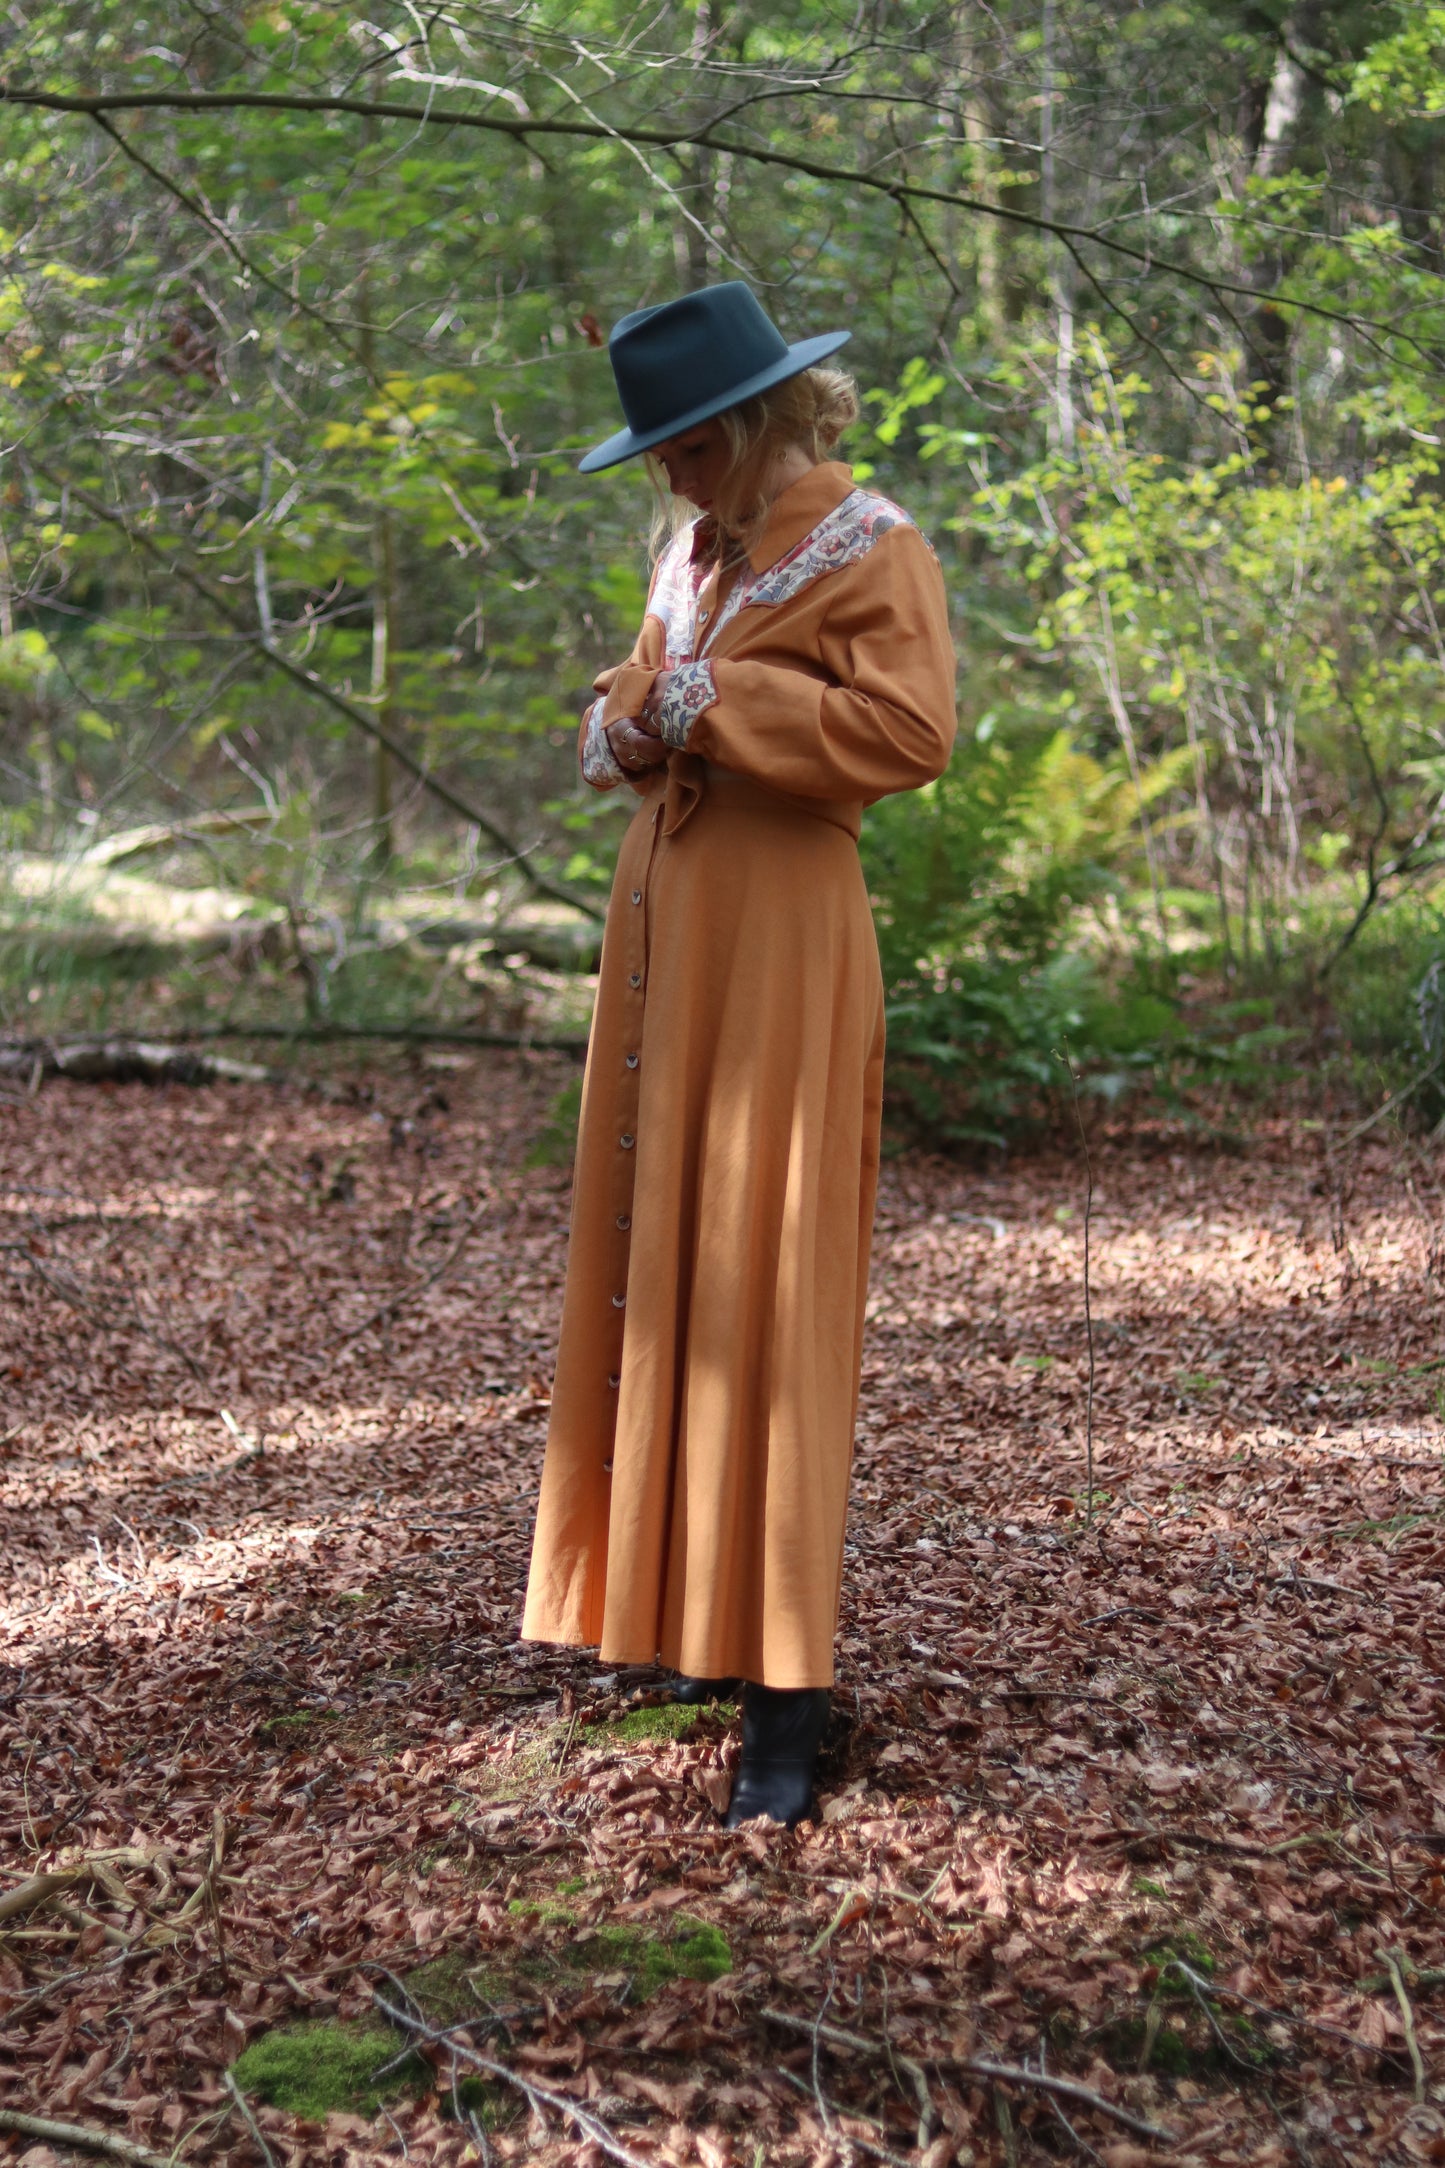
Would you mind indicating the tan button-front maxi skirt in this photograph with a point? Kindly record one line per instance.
(696, 1480)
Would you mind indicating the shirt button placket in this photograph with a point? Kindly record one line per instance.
(634, 942)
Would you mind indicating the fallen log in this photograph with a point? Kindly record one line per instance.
(127, 1061)
(155, 1061)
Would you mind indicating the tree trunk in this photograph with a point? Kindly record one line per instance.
(383, 677)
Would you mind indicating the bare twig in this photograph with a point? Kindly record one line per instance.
(1195, 1986)
(26, 1895)
(79, 1299)
(251, 2124)
(80, 2136)
(1003, 2116)
(310, 682)
(522, 130)
(1407, 2019)
(1067, 2089)
(67, 1979)
(1396, 1099)
(406, 1294)
(1265, 2009)
(1075, 2137)
(978, 2066)
(29, 1055)
(851, 2142)
(583, 2119)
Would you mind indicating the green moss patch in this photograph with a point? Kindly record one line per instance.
(319, 2070)
(543, 1909)
(488, 2103)
(554, 1950)
(451, 1988)
(523, 1774)
(1182, 2045)
(636, 1727)
(692, 1951)
(1183, 1943)
(296, 1723)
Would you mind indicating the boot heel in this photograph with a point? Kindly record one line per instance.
(782, 1732)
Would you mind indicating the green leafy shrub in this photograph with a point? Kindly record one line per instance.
(982, 884)
(555, 1144)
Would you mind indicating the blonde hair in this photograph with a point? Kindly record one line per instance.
(810, 410)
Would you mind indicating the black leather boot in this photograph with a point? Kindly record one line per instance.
(693, 1693)
(782, 1731)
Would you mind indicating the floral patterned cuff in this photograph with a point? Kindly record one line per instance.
(600, 765)
(691, 689)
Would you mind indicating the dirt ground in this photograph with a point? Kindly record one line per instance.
(1145, 1800)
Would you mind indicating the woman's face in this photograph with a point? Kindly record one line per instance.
(695, 463)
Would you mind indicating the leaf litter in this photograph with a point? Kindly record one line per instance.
(1132, 1816)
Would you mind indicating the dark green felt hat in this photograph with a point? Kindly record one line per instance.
(681, 363)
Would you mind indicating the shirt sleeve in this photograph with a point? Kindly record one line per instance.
(873, 711)
(623, 688)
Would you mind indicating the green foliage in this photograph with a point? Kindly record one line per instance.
(309, 385)
(983, 883)
(1403, 75)
(556, 1142)
(539, 1908)
(691, 1950)
(635, 1727)
(316, 2070)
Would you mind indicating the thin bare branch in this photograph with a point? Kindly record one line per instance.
(520, 131)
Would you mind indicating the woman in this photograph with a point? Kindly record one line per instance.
(793, 665)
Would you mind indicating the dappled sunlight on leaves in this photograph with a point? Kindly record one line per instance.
(1152, 1792)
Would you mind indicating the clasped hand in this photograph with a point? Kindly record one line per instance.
(636, 740)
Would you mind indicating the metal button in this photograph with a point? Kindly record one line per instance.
(637, 895)
(624, 1221)
(614, 1381)
(627, 1140)
(635, 978)
(631, 1060)
(619, 1302)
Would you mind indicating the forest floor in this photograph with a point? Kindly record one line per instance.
(1149, 1799)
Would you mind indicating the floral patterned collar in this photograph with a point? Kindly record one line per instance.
(845, 531)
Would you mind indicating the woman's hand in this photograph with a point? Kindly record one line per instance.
(637, 745)
(637, 741)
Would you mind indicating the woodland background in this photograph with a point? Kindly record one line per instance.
(302, 309)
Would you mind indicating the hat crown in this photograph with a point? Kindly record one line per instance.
(681, 363)
(670, 360)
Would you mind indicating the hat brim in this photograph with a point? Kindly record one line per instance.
(626, 444)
